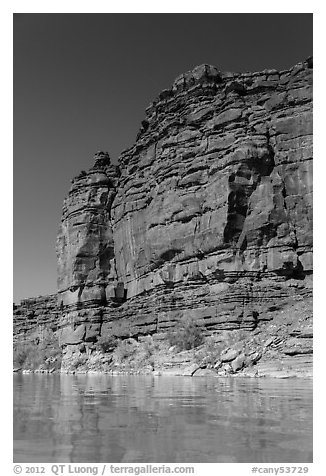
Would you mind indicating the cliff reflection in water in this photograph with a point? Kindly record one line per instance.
(98, 418)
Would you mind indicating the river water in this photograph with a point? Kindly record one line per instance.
(101, 418)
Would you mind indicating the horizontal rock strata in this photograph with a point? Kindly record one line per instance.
(34, 318)
(35, 327)
(208, 215)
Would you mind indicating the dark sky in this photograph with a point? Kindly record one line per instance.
(82, 83)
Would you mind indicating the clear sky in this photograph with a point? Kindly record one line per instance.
(82, 83)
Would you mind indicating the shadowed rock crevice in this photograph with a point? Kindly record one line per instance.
(258, 163)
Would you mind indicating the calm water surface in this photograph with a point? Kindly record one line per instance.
(101, 418)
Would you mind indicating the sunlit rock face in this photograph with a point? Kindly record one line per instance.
(85, 246)
(35, 329)
(219, 181)
(208, 215)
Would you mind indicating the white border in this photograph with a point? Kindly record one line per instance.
(96, 6)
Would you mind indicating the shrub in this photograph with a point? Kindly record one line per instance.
(107, 343)
(46, 354)
(79, 361)
(20, 355)
(186, 335)
(124, 350)
(210, 353)
(149, 346)
(29, 357)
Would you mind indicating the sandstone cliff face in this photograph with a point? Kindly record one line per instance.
(35, 329)
(209, 214)
(85, 246)
(85, 249)
(219, 183)
(35, 317)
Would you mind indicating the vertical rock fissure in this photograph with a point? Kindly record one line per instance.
(242, 184)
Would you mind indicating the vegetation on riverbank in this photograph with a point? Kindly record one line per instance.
(44, 354)
(281, 347)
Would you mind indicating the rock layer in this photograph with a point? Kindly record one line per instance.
(35, 317)
(208, 215)
(85, 247)
(219, 184)
(35, 329)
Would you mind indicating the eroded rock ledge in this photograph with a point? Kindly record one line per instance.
(208, 215)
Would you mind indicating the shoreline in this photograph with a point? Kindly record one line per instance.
(279, 374)
(279, 348)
